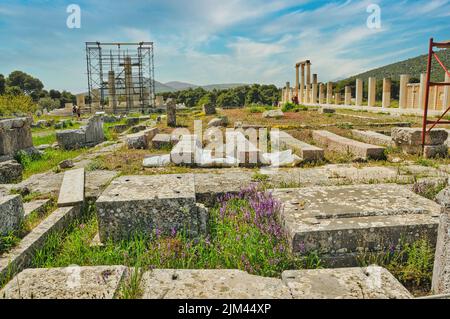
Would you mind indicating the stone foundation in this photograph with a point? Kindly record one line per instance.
(88, 136)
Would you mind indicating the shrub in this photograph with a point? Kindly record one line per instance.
(16, 104)
(289, 106)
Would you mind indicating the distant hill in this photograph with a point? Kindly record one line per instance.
(414, 67)
(174, 86)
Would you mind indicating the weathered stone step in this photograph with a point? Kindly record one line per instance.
(72, 188)
(37, 206)
(305, 151)
(20, 256)
(100, 282)
(373, 138)
(341, 220)
(345, 145)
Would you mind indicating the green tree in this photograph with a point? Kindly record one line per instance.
(2, 84)
(228, 98)
(48, 103)
(13, 90)
(28, 84)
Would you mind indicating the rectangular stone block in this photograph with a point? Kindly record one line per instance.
(146, 205)
(87, 136)
(342, 221)
(373, 138)
(410, 139)
(142, 139)
(344, 283)
(210, 284)
(10, 172)
(11, 213)
(344, 145)
(99, 282)
(72, 188)
(15, 135)
(239, 147)
(162, 141)
(305, 151)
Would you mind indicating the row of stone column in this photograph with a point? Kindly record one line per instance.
(411, 95)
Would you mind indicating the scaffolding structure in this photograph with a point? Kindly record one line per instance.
(120, 76)
(426, 122)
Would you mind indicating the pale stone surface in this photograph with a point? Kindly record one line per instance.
(344, 283)
(211, 284)
(100, 282)
(344, 145)
(11, 213)
(162, 141)
(340, 221)
(410, 139)
(373, 138)
(273, 114)
(20, 256)
(239, 147)
(37, 206)
(15, 135)
(307, 152)
(141, 140)
(10, 172)
(145, 204)
(156, 161)
(441, 271)
(87, 136)
(72, 188)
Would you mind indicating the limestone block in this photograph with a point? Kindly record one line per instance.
(433, 151)
(344, 145)
(71, 139)
(373, 138)
(410, 139)
(218, 121)
(15, 135)
(162, 141)
(156, 161)
(141, 140)
(99, 282)
(210, 284)
(441, 271)
(273, 114)
(10, 172)
(171, 113)
(147, 205)
(72, 188)
(11, 213)
(339, 222)
(344, 283)
(307, 152)
(94, 131)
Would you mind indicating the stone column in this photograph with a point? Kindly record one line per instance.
(338, 98)
(321, 93)
(314, 89)
(308, 82)
(171, 113)
(348, 96)
(433, 97)
(446, 100)
(359, 92)
(112, 91)
(288, 92)
(297, 81)
(302, 84)
(422, 91)
(81, 100)
(403, 94)
(372, 91)
(283, 95)
(387, 84)
(329, 92)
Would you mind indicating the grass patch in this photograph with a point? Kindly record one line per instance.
(45, 139)
(51, 158)
(411, 264)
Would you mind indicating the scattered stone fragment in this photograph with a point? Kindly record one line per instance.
(15, 135)
(157, 161)
(218, 122)
(87, 136)
(66, 164)
(142, 139)
(171, 113)
(162, 141)
(273, 114)
(410, 141)
(209, 109)
(72, 188)
(308, 153)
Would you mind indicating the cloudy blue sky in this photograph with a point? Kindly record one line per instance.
(219, 41)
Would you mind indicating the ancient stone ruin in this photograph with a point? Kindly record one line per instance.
(87, 136)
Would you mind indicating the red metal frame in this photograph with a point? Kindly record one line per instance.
(428, 84)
